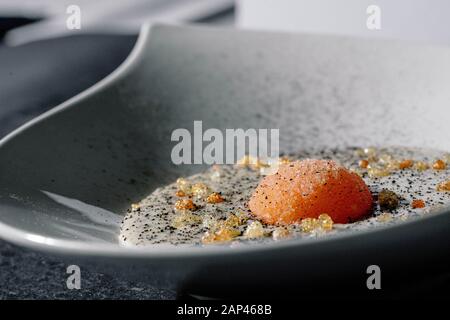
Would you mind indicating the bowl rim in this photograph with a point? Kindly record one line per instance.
(172, 252)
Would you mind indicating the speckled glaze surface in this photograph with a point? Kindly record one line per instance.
(66, 175)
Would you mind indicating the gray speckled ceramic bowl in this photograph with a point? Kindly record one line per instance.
(110, 146)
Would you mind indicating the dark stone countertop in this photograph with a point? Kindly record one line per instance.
(26, 274)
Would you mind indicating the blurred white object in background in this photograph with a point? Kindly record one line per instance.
(100, 16)
(422, 20)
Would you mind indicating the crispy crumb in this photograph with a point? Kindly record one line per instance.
(185, 204)
(417, 203)
(135, 207)
(370, 152)
(421, 166)
(243, 216)
(363, 164)
(246, 161)
(180, 194)
(199, 190)
(215, 198)
(443, 186)
(254, 230)
(185, 218)
(388, 200)
(280, 233)
(223, 234)
(252, 162)
(308, 225)
(392, 165)
(184, 185)
(439, 165)
(261, 164)
(406, 164)
(234, 221)
(385, 158)
(325, 222)
(378, 172)
(284, 160)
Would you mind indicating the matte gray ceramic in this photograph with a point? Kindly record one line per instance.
(110, 146)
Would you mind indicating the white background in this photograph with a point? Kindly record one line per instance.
(421, 20)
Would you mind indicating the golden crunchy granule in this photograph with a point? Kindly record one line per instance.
(224, 230)
(421, 166)
(252, 162)
(371, 154)
(199, 190)
(185, 204)
(283, 160)
(180, 194)
(439, 165)
(254, 230)
(260, 164)
(222, 234)
(323, 222)
(184, 185)
(363, 164)
(385, 217)
(208, 237)
(185, 218)
(371, 151)
(243, 216)
(393, 165)
(406, 164)
(308, 225)
(135, 207)
(280, 233)
(215, 197)
(417, 203)
(443, 186)
(246, 161)
(234, 221)
(385, 158)
(388, 199)
(378, 172)
(181, 182)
